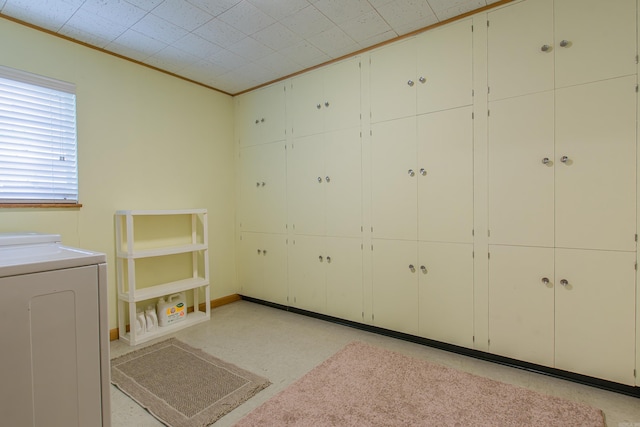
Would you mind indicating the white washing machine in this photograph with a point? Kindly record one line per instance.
(54, 361)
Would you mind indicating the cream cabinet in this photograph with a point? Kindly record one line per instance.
(424, 289)
(562, 167)
(260, 115)
(430, 72)
(263, 274)
(263, 188)
(326, 99)
(325, 276)
(325, 184)
(535, 46)
(422, 177)
(565, 308)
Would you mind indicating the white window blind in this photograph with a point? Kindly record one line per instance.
(38, 145)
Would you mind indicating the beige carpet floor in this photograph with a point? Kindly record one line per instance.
(183, 386)
(363, 385)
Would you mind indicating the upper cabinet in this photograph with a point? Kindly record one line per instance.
(431, 72)
(260, 115)
(535, 46)
(326, 99)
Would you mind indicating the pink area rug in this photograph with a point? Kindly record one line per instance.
(363, 385)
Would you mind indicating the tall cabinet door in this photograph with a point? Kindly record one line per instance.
(307, 102)
(307, 260)
(344, 278)
(595, 313)
(260, 115)
(521, 170)
(445, 176)
(521, 303)
(264, 267)
(395, 285)
(341, 102)
(307, 185)
(343, 182)
(446, 292)
(263, 188)
(444, 67)
(596, 165)
(601, 44)
(393, 80)
(394, 179)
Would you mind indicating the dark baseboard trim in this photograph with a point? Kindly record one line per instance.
(477, 354)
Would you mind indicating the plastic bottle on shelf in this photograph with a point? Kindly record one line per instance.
(152, 318)
(141, 323)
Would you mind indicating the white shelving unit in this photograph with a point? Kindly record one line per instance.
(132, 247)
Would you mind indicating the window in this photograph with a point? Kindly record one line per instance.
(38, 147)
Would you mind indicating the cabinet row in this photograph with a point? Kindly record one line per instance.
(561, 171)
(531, 46)
(570, 309)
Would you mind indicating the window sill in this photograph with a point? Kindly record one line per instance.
(41, 205)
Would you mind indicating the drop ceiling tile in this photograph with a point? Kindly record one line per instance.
(379, 38)
(228, 59)
(219, 33)
(334, 42)
(146, 5)
(2, 3)
(47, 14)
(183, 14)
(246, 17)
(405, 16)
(365, 26)
(119, 11)
(281, 8)
(340, 11)
(445, 9)
(308, 22)
(92, 28)
(280, 63)
(250, 48)
(159, 29)
(216, 7)
(196, 45)
(276, 36)
(135, 45)
(379, 3)
(305, 54)
(171, 59)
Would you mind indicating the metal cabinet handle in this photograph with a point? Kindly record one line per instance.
(263, 183)
(545, 161)
(326, 103)
(424, 269)
(320, 258)
(257, 184)
(565, 43)
(259, 251)
(262, 120)
(318, 106)
(257, 121)
(412, 268)
(411, 172)
(264, 252)
(545, 280)
(422, 79)
(329, 259)
(410, 83)
(327, 178)
(564, 159)
(423, 172)
(319, 179)
(564, 282)
(545, 48)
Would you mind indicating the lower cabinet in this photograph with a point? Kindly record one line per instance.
(264, 266)
(325, 276)
(571, 309)
(424, 289)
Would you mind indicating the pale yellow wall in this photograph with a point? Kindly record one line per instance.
(146, 140)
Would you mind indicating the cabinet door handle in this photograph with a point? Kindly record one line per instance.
(411, 172)
(329, 260)
(424, 269)
(319, 106)
(263, 183)
(564, 282)
(545, 280)
(410, 82)
(545, 161)
(565, 43)
(327, 178)
(259, 251)
(412, 268)
(564, 159)
(264, 252)
(545, 48)
(319, 179)
(257, 121)
(326, 103)
(423, 172)
(422, 79)
(320, 258)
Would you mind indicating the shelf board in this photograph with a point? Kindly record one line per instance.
(192, 319)
(153, 252)
(161, 212)
(163, 290)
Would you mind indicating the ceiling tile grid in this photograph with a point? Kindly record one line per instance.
(234, 45)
